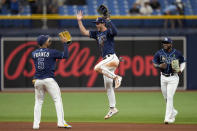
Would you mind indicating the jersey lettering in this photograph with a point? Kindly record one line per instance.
(101, 39)
(167, 59)
(41, 54)
(41, 63)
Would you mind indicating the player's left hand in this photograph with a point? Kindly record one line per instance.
(104, 12)
(175, 66)
(65, 37)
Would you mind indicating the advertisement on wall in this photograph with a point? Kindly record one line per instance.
(77, 71)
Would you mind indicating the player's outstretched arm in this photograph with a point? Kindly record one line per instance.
(161, 66)
(65, 53)
(66, 39)
(111, 27)
(81, 27)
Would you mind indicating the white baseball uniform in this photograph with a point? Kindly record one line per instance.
(105, 40)
(108, 76)
(169, 79)
(51, 86)
(44, 61)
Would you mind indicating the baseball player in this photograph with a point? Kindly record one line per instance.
(171, 63)
(105, 38)
(44, 62)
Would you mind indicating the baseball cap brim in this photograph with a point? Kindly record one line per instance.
(166, 42)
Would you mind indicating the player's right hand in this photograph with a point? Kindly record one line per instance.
(163, 66)
(33, 81)
(79, 15)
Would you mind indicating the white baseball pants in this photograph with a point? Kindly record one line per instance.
(51, 86)
(108, 68)
(168, 88)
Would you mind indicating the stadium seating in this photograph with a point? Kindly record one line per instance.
(121, 7)
(116, 7)
(16, 23)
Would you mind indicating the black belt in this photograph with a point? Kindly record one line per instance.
(108, 55)
(167, 75)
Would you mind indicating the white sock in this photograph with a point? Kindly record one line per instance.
(108, 82)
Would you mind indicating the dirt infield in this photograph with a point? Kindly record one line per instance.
(27, 126)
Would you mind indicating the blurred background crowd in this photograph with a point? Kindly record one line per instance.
(137, 7)
(89, 8)
(36, 6)
(152, 7)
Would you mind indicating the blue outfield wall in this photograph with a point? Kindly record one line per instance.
(192, 62)
(146, 23)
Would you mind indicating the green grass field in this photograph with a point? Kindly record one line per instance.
(134, 107)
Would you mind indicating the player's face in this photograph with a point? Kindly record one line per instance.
(48, 42)
(99, 26)
(167, 46)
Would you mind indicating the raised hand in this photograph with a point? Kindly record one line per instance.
(163, 66)
(65, 37)
(79, 15)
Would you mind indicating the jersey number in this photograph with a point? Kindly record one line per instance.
(41, 63)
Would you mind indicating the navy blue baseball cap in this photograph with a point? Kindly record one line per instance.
(42, 39)
(99, 20)
(166, 40)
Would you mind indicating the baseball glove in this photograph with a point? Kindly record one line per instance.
(66, 35)
(175, 65)
(103, 11)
